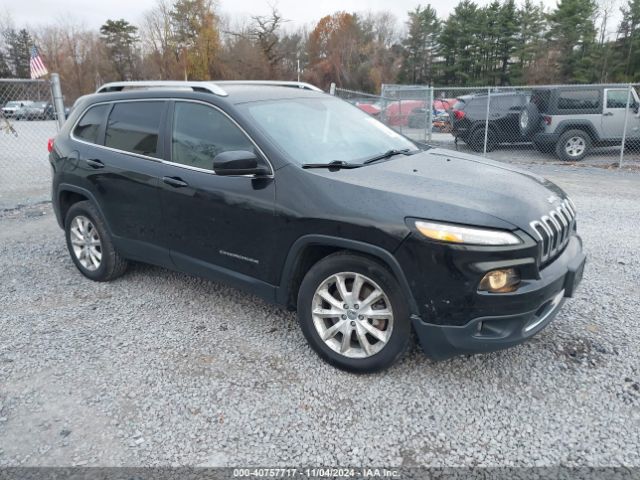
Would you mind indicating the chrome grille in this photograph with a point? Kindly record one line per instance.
(554, 229)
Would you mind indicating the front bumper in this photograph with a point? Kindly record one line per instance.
(537, 302)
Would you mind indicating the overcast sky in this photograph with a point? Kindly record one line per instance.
(299, 12)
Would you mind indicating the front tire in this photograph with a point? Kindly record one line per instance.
(573, 145)
(90, 244)
(353, 313)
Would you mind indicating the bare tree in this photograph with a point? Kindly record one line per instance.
(157, 41)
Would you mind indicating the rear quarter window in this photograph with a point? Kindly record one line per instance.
(578, 99)
(507, 102)
(88, 127)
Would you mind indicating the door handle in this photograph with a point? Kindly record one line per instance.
(175, 182)
(93, 163)
(607, 114)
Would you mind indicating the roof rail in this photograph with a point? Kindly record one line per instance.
(273, 83)
(171, 84)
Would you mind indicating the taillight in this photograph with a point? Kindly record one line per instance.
(50, 145)
(547, 119)
(458, 114)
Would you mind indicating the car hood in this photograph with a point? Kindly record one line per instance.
(450, 186)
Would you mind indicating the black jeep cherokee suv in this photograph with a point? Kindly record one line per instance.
(306, 201)
(468, 118)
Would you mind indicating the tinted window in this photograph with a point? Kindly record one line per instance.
(507, 102)
(134, 127)
(618, 99)
(89, 125)
(201, 132)
(578, 99)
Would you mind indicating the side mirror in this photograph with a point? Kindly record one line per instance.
(237, 162)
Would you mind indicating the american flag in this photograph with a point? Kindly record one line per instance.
(36, 64)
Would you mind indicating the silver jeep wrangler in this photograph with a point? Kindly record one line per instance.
(570, 120)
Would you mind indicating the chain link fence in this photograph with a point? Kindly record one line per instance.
(28, 118)
(592, 124)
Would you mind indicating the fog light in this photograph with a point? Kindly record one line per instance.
(500, 281)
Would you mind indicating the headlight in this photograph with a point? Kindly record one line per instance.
(468, 235)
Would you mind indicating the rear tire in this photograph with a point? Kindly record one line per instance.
(476, 141)
(90, 244)
(573, 145)
(342, 323)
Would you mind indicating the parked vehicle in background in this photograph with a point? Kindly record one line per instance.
(304, 200)
(13, 106)
(397, 113)
(372, 109)
(440, 118)
(35, 111)
(443, 104)
(469, 119)
(570, 120)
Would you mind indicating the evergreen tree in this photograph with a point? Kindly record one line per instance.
(458, 41)
(5, 71)
(572, 34)
(19, 52)
(195, 37)
(507, 41)
(120, 38)
(420, 46)
(530, 38)
(628, 59)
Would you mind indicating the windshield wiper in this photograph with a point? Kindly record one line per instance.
(388, 154)
(336, 164)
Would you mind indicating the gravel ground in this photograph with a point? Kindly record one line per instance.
(159, 368)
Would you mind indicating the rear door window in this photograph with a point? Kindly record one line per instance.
(89, 125)
(578, 99)
(135, 127)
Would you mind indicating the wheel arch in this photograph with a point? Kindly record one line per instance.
(310, 249)
(588, 127)
(68, 195)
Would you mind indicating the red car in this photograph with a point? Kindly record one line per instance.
(397, 113)
(370, 108)
(443, 103)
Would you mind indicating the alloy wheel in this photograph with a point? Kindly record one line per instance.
(85, 242)
(575, 146)
(352, 315)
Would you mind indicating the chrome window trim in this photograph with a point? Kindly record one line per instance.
(161, 160)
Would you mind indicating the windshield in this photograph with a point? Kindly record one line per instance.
(12, 104)
(323, 130)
